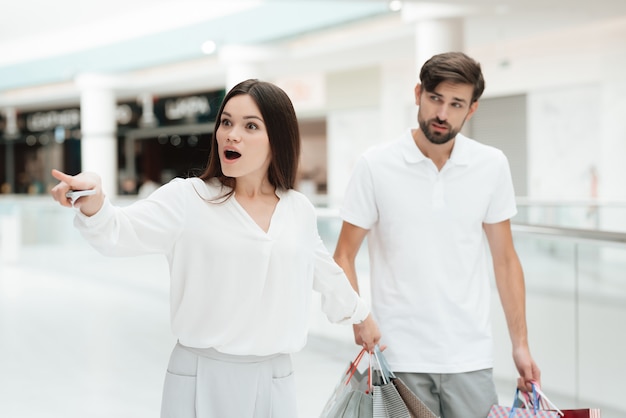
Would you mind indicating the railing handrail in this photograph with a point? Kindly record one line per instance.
(575, 234)
(555, 232)
(540, 202)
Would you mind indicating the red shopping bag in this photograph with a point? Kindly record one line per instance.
(581, 413)
(568, 413)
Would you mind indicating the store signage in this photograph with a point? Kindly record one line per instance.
(49, 120)
(128, 114)
(187, 107)
(177, 110)
(196, 108)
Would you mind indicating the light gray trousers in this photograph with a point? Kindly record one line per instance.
(204, 383)
(454, 395)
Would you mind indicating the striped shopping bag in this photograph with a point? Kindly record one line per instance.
(530, 407)
(499, 411)
(392, 398)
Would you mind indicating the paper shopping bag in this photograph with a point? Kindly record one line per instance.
(565, 413)
(353, 404)
(417, 408)
(392, 398)
(532, 407)
(347, 396)
(581, 413)
(388, 403)
(499, 411)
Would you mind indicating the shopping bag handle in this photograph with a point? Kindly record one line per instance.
(353, 368)
(385, 370)
(380, 365)
(536, 400)
(354, 364)
(542, 398)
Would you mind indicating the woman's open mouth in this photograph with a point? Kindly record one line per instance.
(231, 155)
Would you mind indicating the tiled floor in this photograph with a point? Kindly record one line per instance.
(86, 336)
(82, 335)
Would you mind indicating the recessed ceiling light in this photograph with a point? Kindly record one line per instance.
(209, 47)
(395, 5)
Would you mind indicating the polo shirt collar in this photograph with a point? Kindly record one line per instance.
(412, 154)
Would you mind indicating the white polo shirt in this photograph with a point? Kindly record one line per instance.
(427, 249)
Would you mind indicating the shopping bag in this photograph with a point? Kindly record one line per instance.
(387, 401)
(353, 404)
(499, 411)
(531, 407)
(567, 413)
(352, 396)
(417, 408)
(582, 413)
(392, 397)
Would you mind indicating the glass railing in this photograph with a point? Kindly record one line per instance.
(576, 294)
(581, 214)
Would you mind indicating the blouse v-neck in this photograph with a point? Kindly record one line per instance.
(246, 215)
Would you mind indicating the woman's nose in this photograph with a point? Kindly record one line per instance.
(233, 135)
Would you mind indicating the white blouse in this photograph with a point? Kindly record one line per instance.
(234, 287)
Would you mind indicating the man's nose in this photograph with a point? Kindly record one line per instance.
(442, 113)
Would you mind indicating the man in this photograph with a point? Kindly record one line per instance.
(426, 202)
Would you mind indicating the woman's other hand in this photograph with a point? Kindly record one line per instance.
(367, 333)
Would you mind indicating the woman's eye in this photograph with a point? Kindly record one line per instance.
(225, 122)
(252, 126)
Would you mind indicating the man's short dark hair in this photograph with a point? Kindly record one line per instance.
(455, 67)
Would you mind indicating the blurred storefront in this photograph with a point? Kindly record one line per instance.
(158, 138)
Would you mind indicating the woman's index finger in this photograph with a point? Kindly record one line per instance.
(61, 176)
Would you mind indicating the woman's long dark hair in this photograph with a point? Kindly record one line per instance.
(282, 129)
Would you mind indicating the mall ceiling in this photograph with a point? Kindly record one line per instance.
(44, 42)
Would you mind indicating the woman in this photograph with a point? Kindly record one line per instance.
(244, 254)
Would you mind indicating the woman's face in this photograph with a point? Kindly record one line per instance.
(242, 139)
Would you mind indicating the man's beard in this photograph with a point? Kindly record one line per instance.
(434, 137)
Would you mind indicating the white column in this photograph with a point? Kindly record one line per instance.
(98, 128)
(239, 65)
(11, 132)
(437, 36)
(11, 129)
(352, 125)
(244, 62)
(397, 99)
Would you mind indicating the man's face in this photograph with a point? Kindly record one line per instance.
(443, 112)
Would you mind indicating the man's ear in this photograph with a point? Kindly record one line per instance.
(472, 109)
(418, 92)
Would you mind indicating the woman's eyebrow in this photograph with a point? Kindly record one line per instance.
(254, 117)
(245, 117)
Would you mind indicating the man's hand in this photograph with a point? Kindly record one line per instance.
(527, 369)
